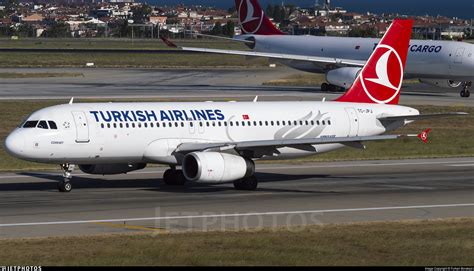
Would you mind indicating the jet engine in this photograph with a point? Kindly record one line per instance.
(216, 167)
(441, 83)
(342, 77)
(110, 169)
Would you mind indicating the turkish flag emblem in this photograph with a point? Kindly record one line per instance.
(245, 117)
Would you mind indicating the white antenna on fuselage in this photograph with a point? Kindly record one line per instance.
(71, 101)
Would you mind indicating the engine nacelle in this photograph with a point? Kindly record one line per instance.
(342, 77)
(216, 167)
(441, 83)
(110, 169)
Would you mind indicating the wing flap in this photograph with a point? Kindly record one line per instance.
(249, 145)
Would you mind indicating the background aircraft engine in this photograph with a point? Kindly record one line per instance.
(110, 169)
(342, 77)
(216, 167)
(441, 83)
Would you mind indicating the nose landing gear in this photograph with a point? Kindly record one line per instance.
(65, 184)
(465, 93)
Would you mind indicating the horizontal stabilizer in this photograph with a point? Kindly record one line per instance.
(419, 117)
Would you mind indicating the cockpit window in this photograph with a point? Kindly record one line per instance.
(30, 124)
(52, 125)
(42, 124)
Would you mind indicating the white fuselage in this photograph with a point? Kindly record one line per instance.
(426, 58)
(98, 133)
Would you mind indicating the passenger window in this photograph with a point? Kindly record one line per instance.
(191, 124)
(133, 125)
(126, 124)
(121, 125)
(271, 122)
(278, 123)
(108, 125)
(329, 122)
(254, 123)
(306, 122)
(115, 125)
(182, 124)
(52, 125)
(260, 123)
(42, 125)
(312, 123)
(283, 123)
(295, 122)
(243, 123)
(102, 125)
(151, 124)
(324, 123)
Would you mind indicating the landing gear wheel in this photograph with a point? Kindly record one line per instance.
(249, 183)
(324, 87)
(65, 186)
(465, 89)
(333, 88)
(174, 177)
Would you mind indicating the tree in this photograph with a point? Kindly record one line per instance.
(217, 29)
(141, 13)
(229, 29)
(58, 30)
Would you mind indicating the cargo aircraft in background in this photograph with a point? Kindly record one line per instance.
(218, 142)
(446, 64)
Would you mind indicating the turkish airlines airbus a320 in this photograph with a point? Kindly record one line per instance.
(218, 142)
(445, 64)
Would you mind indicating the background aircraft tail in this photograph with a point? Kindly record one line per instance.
(381, 78)
(252, 19)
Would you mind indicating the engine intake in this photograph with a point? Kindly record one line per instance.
(216, 167)
(342, 77)
(110, 169)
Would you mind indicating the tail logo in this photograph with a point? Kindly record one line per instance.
(250, 19)
(383, 82)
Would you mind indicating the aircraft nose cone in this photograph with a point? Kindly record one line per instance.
(15, 144)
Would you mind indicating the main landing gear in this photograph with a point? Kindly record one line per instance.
(325, 87)
(248, 183)
(65, 184)
(174, 177)
(465, 93)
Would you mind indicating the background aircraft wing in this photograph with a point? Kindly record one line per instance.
(304, 143)
(325, 60)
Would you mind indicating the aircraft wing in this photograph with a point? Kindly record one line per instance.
(304, 143)
(324, 60)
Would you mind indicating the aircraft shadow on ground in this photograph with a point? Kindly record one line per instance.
(48, 182)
